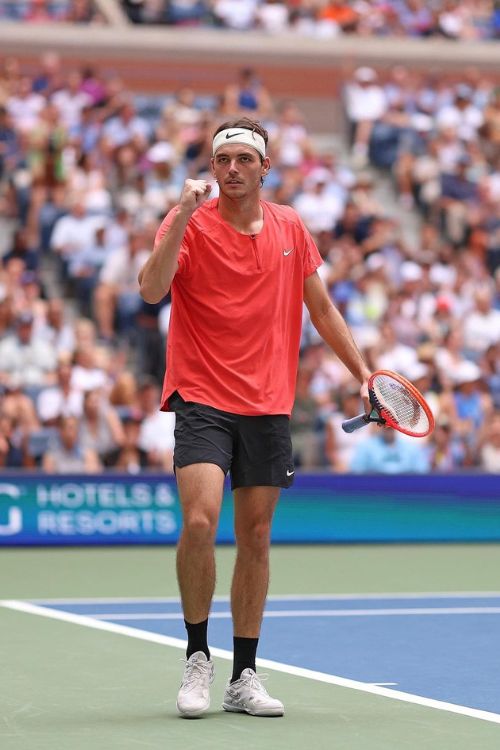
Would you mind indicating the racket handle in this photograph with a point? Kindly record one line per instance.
(350, 425)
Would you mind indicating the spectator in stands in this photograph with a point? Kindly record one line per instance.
(386, 451)
(304, 422)
(246, 96)
(365, 103)
(24, 106)
(130, 457)
(13, 454)
(340, 446)
(25, 358)
(459, 195)
(490, 366)
(273, 16)
(83, 11)
(70, 99)
(160, 186)
(116, 296)
(321, 204)
(87, 178)
(62, 399)
(482, 325)
(156, 434)
(73, 233)
(67, 455)
(85, 267)
(289, 138)
(23, 248)
(490, 446)
(432, 299)
(56, 329)
(9, 142)
(468, 406)
(126, 128)
(124, 393)
(462, 115)
(235, 14)
(100, 427)
(89, 372)
(446, 449)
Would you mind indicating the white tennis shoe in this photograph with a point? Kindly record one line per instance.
(193, 698)
(248, 695)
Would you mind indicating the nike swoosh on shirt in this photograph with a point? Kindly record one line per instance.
(287, 252)
(232, 135)
(289, 473)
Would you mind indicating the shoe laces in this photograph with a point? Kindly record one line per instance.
(254, 681)
(193, 671)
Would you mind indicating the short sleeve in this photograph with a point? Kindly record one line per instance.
(311, 259)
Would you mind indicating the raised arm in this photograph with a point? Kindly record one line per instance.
(333, 329)
(156, 275)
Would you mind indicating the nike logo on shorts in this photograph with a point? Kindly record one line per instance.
(290, 473)
(287, 252)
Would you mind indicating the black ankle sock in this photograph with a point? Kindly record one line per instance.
(197, 638)
(245, 650)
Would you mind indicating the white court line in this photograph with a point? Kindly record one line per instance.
(310, 674)
(284, 597)
(310, 613)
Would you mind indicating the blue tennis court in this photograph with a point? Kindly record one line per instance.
(442, 647)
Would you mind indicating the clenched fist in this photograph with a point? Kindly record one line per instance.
(194, 194)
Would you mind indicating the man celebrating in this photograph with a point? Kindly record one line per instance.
(240, 269)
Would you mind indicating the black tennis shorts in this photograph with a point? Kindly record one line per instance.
(257, 451)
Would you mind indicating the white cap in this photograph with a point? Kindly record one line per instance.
(375, 261)
(365, 75)
(415, 370)
(421, 122)
(161, 152)
(466, 372)
(411, 271)
(318, 176)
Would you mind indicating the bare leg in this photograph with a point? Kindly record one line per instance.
(253, 513)
(200, 489)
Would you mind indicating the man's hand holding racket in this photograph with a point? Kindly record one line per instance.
(393, 402)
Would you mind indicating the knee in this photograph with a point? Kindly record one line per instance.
(254, 539)
(199, 528)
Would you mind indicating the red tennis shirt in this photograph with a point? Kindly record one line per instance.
(235, 326)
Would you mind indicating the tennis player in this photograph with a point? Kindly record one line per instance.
(240, 269)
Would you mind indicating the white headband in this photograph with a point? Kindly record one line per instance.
(240, 135)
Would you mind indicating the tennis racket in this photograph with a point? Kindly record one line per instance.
(395, 403)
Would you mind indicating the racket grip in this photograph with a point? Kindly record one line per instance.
(350, 425)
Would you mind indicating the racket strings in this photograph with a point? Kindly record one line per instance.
(400, 404)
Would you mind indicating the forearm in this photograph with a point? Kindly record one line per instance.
(333, 329)
(155, 277)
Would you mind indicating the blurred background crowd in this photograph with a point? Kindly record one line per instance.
(449, 19)
(469, 19)
(40, 11)
(88, 169)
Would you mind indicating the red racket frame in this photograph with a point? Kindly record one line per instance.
(414, 391)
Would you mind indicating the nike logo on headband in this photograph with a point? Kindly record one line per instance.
(232, 135)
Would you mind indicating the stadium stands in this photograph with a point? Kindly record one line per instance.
(89, 168)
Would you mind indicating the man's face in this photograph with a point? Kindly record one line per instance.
(238, 170)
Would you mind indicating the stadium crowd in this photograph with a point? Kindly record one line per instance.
(449, 19)
(50, 11)
(87, 172)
